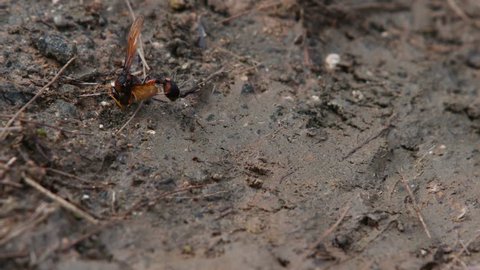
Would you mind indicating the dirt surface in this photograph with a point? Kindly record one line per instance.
(312, 125)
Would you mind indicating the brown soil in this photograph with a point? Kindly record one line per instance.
(277, 161)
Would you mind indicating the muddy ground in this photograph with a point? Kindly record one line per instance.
(278, 160)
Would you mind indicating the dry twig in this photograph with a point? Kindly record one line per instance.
(47, 125)
(64, 203)
(332, 228)
(453, 5)
(84, 181)
(10, 122)
(41, 213)
(130, 119)
(381, 132)
(415, 205)
(245, 12)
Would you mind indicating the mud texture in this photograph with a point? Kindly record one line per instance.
(278, 160)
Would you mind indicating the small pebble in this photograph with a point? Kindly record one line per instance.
(60, 21)
(254, 182)
(247, 88)
(100, 126)
(104, 103)
(56, 47)
(357, 95)
(332, 61)
(178, 5)
(151, 132)
(473, 60)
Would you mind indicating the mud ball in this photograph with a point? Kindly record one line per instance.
(247, 88)
(342, 241)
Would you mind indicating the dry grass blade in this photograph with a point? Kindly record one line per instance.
(415, 205)
(453, 5)
(4, 133)
(64, 203)
(332, 228)
(41, 213)
(130, 119)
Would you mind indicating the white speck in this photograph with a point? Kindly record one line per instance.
(100, 126)
(289, 98)
(157, 45)
(245, 125)
(151, 132)
(385, 34)
(244, 78)
(315, 98)
(112, 83)
(430, 152)
(443, 146)
(332, 60)
(85, 197)
(185, 66)
(104, 103)
(357, 95)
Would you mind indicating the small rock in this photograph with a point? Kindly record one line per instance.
(56, 47)
(285, 78)
(473, 60)
(64, 109)
(196, 176)
(13, 95)
(342, 241)
(357, 95)
(68, 89)
(332, 61)
(254, 225)
(254, 182)
(247, 88)
(217, 177)
(178, 5)
(60, 21)
(473, 111)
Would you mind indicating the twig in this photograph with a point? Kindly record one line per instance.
(333, 227)
(50, 126)
(456, 257)
(453, 5)
(131, 118)
(14, 128)
(209, 78)
(238, 57)
(93, 95)
(245, 12)
(87, 235)
(415, 205)
(379, 133)
(41, 213)
(141, 202)
(76, 177)
(140, 50)
(64, 203)
(13, 254)
(9, 123)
